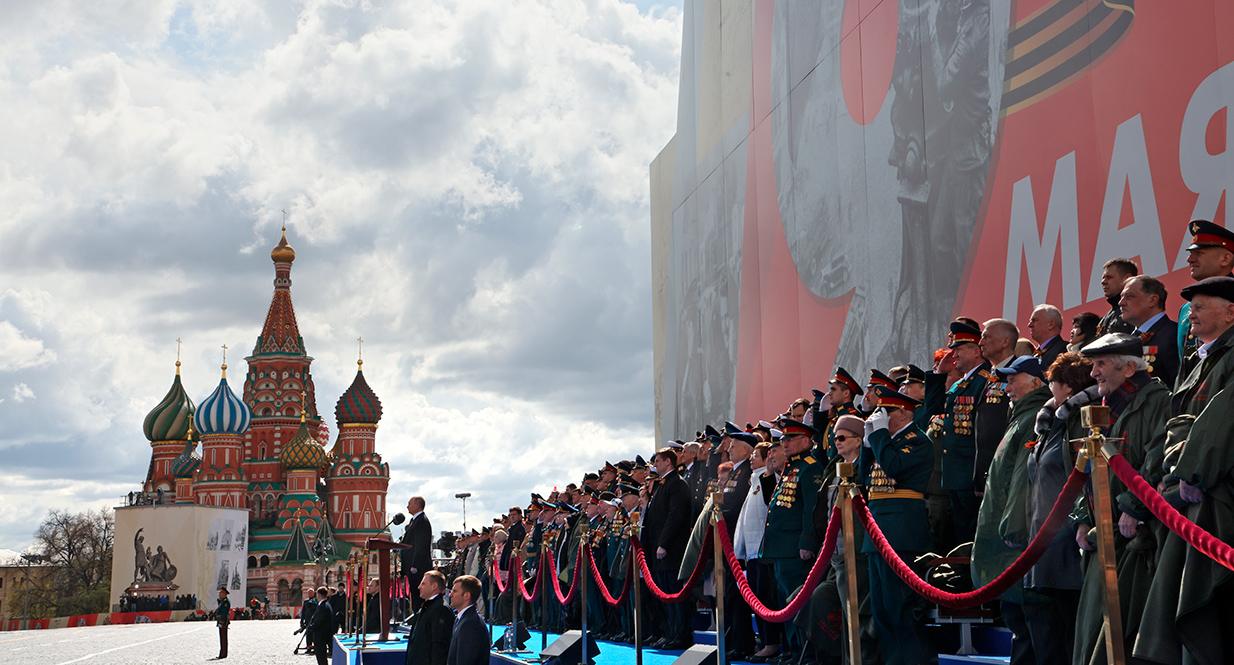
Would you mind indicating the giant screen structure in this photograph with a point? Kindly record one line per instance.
(847, 176)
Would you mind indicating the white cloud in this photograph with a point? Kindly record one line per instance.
(467, 183)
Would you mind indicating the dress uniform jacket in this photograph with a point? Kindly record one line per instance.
(990, 421)
(1190, 592)
(790, 517)
(957, 405)
(895, 469)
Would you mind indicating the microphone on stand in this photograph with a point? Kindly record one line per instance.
(398, 518)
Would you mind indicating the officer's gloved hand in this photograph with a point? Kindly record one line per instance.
(878, 420)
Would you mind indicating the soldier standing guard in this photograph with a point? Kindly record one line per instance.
(896, 463)
(222, 619)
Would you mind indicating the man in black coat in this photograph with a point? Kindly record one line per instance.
(517, 532)
(431, 626)
(1143, 306)
(419, 559)
(666, 530)
(1045, 327)
(307, 610)
(321, 625)
(470, 637)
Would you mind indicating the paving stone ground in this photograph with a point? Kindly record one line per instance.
(250, 643)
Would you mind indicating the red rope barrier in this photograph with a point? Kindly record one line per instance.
(1038, 546)
(807, 589)
(1208, 544)
(501, 586)
(657, 591)
(608, 597)
(566, 599)
(516, 564)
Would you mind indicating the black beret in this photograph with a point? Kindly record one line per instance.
(1219, 287)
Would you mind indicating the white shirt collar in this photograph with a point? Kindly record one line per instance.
(414, 516)
(1203, 350)
(897, 432)
(1144, 327)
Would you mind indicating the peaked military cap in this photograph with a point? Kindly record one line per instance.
(915, 375)
(1115, 344)
(712, 433)
(962, 333)
(845, 379)
(639, 462)
(731, 428)
(1220, 287)
(625, 465)
(626, 488)
(1206, 234)
(744, 436)
(1024, 365)
(608, 466)
(792, 427)
(889, 398)
(877, 378)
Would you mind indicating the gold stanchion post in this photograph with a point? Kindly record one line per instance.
(584, 573)
(364, 612)
(718, 575)
(1096, 449)
(847, 491)
(638, 601)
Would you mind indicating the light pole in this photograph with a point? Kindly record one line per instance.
(464, 496)
(29, 558)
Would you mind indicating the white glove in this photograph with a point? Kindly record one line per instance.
(869, 428)
(878, 420)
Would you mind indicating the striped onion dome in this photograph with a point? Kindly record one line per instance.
(222, 412)
(169, 421)
(302, 453)
(359, 404)
(187, 462)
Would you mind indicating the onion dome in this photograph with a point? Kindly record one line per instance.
(171, 419)
(282, 252)
(359, 404)
(302, 453)
(222, 412)
(187, 461)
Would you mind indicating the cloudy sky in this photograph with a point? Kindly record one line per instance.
(466, 186)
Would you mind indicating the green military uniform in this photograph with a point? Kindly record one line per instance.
(958, 406)
(790, 528)
(895, 470)
(1191, 598)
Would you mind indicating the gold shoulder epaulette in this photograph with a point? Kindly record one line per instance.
(809, 459)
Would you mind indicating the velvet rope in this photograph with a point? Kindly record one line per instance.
(807, 589)
(501, 586)
(566, 599)
(517, 564)
(1038, 546)
(608, 597)
(1208, 544)
(657, 591)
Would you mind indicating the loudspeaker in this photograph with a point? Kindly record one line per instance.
(699, 654)
(522, 638)
(568, 649)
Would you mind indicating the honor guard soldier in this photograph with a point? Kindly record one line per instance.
(789, 540)
(957, 405)
(222, 619)
(1211, 254)
(827, 408)
(895, 466)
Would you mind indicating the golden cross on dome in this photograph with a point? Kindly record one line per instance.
(303, 410)
(177, 355)
(224, 361)
(360, 352)
(284, 219)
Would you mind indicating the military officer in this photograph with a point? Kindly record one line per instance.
(222, 619)
(957, 405)
(1211, 254)
(789, 540)
(828, 407)
(896, 462)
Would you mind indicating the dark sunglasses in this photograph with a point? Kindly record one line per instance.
(842, 437)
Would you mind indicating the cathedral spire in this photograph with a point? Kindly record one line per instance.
(281, 334)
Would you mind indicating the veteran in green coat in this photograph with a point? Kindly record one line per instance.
(1190, 607)
(895, 467)
(1002, 522)
(1139, 408)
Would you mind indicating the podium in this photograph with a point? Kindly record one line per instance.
(383, 549)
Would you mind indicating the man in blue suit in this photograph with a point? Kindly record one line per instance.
(469, 644)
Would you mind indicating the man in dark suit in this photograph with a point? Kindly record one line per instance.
(469, 641)
(1045, 327)
(321, 625)
(307, 610)
(1143, 306)
(1114, 274)
(517, 532)
(429, 640)
(338, 603)
(734, 487)
(419, 559)
(666, 530)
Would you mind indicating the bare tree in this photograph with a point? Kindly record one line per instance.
(78, 548)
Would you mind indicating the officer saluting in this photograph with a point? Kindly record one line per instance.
(838, 401)
(896, 463)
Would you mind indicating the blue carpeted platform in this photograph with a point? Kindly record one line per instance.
(611, 653)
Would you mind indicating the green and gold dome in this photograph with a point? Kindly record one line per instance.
(172, 418)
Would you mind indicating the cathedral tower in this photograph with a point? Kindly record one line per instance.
(357, 479)
(167, 429)
(222, 420)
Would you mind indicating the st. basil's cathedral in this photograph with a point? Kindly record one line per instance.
(266, 453)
